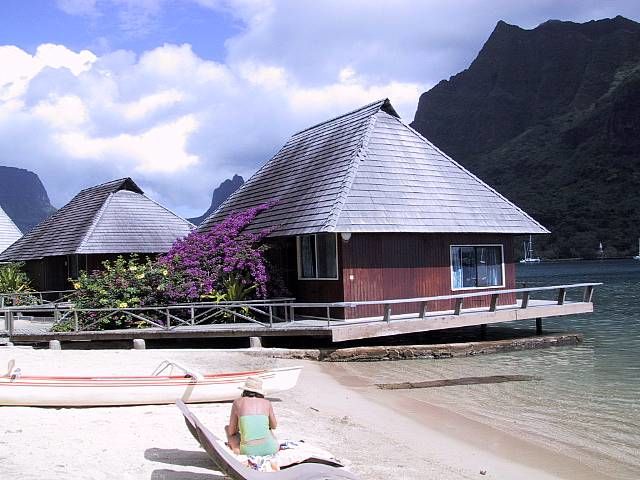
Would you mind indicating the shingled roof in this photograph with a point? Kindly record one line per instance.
(9, 233)
(115, 217)
(366, 171)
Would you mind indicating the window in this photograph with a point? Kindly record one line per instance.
(318, 256)
(476, 266)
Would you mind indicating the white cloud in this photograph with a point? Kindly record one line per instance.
(167, 117)
(151, 103)
(161, 149)
(63, 113)
(19, 67)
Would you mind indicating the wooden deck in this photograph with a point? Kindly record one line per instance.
(25, 331)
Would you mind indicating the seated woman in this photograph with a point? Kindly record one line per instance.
(251, 423)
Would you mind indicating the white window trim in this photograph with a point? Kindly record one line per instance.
(315, 243)
(451, 247)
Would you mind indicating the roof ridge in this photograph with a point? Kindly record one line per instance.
(94, 221)
(474, 177)
(381, 102)
(118, 181)
(347, 182)
(168, 210)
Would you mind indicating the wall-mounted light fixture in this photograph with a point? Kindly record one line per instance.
(345, 236)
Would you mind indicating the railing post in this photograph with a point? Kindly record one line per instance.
(525, 300)
(270, 316)
(328, 316)
(588, 294)
(458, 308)
(292, 315)
(56, 315)
(562, 294)
(387, 313)
(193, 315)
(494, 302)
(423, 309)
(9, 321)
(75, 320)
(168, 319)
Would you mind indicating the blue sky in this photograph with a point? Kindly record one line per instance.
(181, 94)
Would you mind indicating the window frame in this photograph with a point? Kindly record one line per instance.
(451, 276)
(315, 245)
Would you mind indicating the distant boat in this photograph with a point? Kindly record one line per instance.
(637, 257)
(528, 252)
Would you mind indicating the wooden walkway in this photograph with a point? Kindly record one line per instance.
(336, 330)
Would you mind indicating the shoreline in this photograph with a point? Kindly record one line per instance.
(492, 449)
(329, 407)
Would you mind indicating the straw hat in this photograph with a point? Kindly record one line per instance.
(253, 384)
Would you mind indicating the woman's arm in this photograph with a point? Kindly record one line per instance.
(272, 418)
(233, 420)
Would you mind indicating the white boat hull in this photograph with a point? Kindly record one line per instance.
(105, 391)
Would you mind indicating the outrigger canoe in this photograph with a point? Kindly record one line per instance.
(190, 387)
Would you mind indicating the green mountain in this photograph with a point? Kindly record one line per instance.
(550, 117)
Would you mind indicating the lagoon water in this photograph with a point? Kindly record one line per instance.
(587, 404)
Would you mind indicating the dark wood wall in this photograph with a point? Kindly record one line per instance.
(388, 266)
(52, 273)
(404, 265)
(283, 255)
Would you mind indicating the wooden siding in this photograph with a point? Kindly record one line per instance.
(283, 254)
(391, 266)
(52, 273)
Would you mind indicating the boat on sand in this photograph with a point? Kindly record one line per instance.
(84, 391)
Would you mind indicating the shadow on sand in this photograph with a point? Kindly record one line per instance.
(164, 474)
(184, 458)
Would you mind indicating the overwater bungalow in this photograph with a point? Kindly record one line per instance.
(369, 209)
(99, 223)
(9, 232)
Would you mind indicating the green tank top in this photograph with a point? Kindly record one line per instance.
(253, 427)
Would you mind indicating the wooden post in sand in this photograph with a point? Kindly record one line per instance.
(55, 345)
(139, 344)
(255, 342)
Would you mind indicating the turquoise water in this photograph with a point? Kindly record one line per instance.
(587, 404)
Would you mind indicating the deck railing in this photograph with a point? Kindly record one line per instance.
(261, 312)
(268, 313)
(48, 297)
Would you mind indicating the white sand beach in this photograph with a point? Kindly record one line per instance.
(378, 434)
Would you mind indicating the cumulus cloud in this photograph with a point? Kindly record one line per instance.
(180, 123)
(171, 119)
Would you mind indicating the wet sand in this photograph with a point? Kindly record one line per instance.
(378, 434)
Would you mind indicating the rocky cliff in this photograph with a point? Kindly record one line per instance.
(220, 194)
(551, 118)
(23, 197)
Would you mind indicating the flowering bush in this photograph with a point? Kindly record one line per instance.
(14, 280)
(226, 260)
(122, 283)
(226, 263)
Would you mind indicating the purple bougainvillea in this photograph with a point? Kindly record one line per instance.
(204, 263)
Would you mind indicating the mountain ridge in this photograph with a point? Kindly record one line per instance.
(23, 197)
(548, 117)
(220, 194)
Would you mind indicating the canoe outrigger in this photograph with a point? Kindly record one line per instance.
(84, 391)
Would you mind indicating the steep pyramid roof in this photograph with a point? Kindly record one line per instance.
(115, 217)
(366, 171)
(9, 233)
